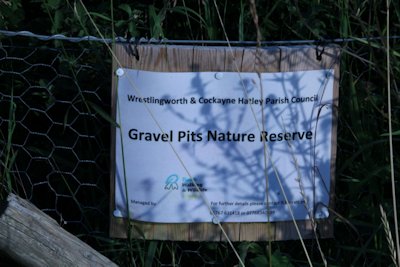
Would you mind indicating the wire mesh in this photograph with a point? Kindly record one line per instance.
(60, 144)
(55, 147)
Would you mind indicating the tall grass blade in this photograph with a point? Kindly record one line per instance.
(389, 237)
(151, 252)
(390, 130)
(9, 156)
(241, 21)
(156, 19)
(103, 114)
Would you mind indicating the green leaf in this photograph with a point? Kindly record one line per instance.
(255, 248)
(151, 252)
(57, 22)
(375, 45)
(103, 114)
(95, 14)
(53, 4)
(279, 260)
(260, 260)
(156, 29)
(120, 23)
(126, 8)
(393, 133)
(243, 250)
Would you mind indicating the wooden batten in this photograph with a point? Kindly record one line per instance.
(32, 238)
(170, 58)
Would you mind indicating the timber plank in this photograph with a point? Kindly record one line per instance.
(32, 238)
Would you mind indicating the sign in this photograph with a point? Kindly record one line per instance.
(206, 128)
(208, 146)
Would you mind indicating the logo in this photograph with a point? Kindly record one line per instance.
(171, 183)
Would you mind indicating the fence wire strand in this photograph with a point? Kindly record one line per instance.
(142, 40)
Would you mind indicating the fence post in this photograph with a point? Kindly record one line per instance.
(32, 238)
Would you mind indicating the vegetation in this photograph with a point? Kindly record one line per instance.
(364, 225)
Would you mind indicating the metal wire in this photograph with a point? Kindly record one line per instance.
(61, 143)
(143, 40)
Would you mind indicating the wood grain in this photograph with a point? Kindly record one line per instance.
(237, 59)
(32, 238)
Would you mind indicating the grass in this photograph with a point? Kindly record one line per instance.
(364, 234)
(9, 155)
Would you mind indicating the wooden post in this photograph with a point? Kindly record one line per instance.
(32, 238)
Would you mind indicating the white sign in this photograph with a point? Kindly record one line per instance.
(209, 126)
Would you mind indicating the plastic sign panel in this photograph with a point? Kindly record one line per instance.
(249, 147)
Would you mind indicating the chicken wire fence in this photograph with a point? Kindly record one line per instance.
(55, 143)
(55, 147)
